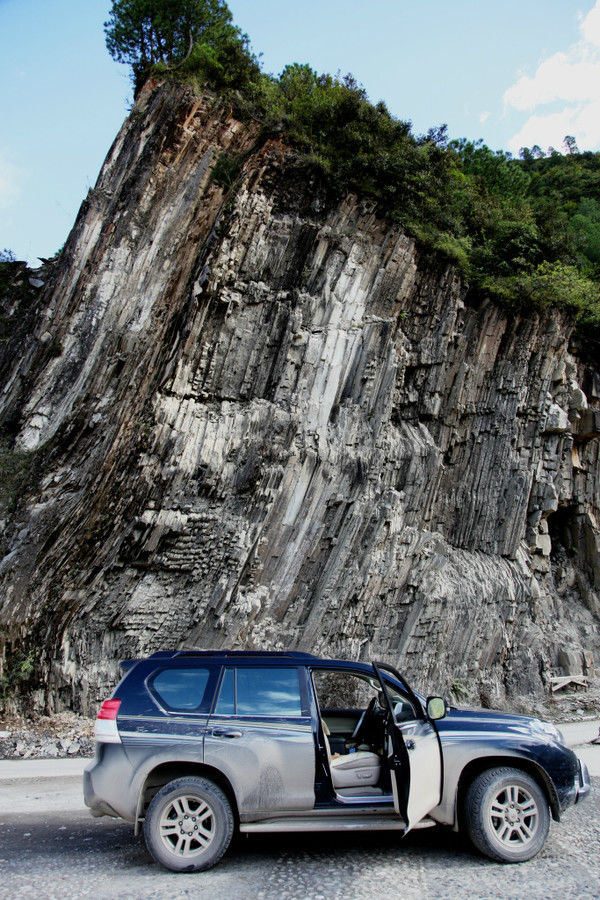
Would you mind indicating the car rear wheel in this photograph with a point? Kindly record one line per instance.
(189, 824)
(507, 815)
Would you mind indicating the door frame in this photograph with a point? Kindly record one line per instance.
(400, 762)
(326, 795)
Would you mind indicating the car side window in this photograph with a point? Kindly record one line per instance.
(183, 689)
(254, 691)
(338, 689)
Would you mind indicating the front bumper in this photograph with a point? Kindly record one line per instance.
(580, 788)
(584, 782)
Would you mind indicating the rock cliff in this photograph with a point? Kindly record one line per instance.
(259, 418)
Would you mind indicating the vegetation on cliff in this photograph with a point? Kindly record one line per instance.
(525, 231)
(192, 37)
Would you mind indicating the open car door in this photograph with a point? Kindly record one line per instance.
(415, 756)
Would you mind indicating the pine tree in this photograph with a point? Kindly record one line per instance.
(145, 32)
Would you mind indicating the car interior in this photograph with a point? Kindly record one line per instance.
(353, 714)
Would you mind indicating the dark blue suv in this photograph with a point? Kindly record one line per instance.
(196, 743)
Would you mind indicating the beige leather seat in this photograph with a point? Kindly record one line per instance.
(360, 769)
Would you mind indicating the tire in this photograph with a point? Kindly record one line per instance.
(506, 815)
(189, 824)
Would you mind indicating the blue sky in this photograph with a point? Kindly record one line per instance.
(513, 73)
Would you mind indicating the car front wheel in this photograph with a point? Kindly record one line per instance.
(507, 815)
(189, 824)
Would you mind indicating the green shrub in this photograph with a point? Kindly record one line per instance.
(226, 168)
(558, 284)
(18, 670)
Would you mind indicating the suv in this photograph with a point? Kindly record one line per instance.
(195, 743)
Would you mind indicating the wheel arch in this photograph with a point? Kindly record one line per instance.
(475, 767)
(165, 772)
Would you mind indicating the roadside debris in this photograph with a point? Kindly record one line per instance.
(46, 737)
(559, 682)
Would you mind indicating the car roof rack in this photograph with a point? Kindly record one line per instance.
(271, 654)
(248, 654)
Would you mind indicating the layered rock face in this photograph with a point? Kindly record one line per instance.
(261, 420)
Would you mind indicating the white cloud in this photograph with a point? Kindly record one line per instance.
(558, 78)
(590, 27)
(10, 183)
(570, 79)
(484, 116)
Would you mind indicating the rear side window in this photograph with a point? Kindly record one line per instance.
(253, 691)
(183, 689)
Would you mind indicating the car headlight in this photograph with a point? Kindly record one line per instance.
(549, 729)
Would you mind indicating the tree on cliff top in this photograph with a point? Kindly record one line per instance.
(176, 33)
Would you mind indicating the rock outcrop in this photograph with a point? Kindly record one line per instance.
(262, 419)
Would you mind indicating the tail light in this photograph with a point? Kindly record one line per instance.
(109, 709)
(105, 729)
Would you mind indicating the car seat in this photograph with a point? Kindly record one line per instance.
(359, 769)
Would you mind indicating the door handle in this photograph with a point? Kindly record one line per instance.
(410, 745)
(226, 732)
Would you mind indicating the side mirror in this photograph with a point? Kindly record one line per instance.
(436, 707)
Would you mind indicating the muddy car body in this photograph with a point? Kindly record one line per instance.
(196, 743)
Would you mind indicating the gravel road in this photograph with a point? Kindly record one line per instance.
(59, 854)
(50, 847)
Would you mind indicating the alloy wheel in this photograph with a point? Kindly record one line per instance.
(187, 826)
(514, 816)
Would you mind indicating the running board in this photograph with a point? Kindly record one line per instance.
(325, 823)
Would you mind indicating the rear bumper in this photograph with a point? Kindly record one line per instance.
(107, 787)
(98, 807)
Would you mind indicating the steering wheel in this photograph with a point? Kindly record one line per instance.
(364, 718)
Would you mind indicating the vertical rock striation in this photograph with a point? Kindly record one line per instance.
(265, 420)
